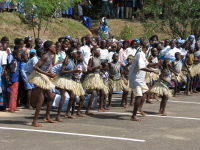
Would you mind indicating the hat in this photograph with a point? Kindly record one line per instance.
(68, 37)
(33, 51)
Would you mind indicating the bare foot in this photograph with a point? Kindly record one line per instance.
(16, 110)
(59, 120)
(131, 104)
(141, 112)
(149, 102)
(109, 107)
(102, 110)
(36, 124)
(175, 96)
(69, 116)
(189, 94)
(88, 113)
(195, 91)
(135, 119)
(29, 107)
(49, 120)
(11, 111)
(160, 112)
(125, 106)
(106, 108)
(80, 115)
(164, 114)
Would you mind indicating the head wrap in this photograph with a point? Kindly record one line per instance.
(137, 40)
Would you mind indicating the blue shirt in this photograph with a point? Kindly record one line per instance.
(28, 67)
(15, 71)
(10, 58)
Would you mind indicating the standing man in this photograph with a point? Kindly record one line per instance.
(86, 50)
(137, 74)
(105, 10)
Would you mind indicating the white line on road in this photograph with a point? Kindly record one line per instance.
(116, 113)
(174, 101)
(78, 134)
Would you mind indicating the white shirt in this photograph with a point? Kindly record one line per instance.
(163, 52)
(85, 50)
(137, 76)
(110, 56)
(131, 51)
(183, 52)
(104, 54)
(170, 53)
(3, 58)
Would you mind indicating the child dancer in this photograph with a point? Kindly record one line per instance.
(14, 75)
(64, 81)
(115, 81)
(41, 78)
(105, 75)
(125, 74)
(161, 88)
(93, 80)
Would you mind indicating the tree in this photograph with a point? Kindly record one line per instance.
(175, 17)
(39, 11)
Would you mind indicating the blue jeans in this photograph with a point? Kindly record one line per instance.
(121, 11)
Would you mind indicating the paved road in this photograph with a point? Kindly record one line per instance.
(180, 130)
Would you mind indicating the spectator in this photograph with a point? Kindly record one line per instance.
(87, 22)
(105, 10)
(120, 9)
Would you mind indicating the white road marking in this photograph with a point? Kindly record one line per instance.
(173, 101)
(78, 134)
(117, 113)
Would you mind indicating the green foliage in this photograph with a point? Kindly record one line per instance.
(44, 10)
(126, 33)
(182, 16)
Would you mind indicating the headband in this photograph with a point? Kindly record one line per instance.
(130, 57)
(74, 51)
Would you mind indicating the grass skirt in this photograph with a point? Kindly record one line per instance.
(161, 89)
(41, 80)
(150, 76)
(78, 91)
(117, 85)
(182, 76)
(126, 82)
(93, 81)
(194, 70)
(64, 83)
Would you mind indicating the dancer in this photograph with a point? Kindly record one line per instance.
(41, 78)
(161, 88)
(93, 81)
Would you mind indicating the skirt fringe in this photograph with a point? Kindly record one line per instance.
(161, 89)
(93, 81)
(117, 85)
(41, 80)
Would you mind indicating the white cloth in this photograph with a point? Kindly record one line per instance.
(85, 50)
(110, 56)
(3, 58)
(131, 51)
(183, 52)
(163, 51)
(137, 76)
(170, 53)
(104, 54)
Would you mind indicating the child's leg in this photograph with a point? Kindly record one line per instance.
(141, 103)
(188, 85)
(148, 94)
(87, 112)
(29, 99)
(13, 97)
(104, 102)
(38, 107)
(126, 98)
(101, 98)
(136, 106)
(176, 86)
(49, 105)
(164, 103)
(196, 84)
(71, 101)
(110, 98)
(62, 99)
(132, 99)
(82, 98)
(73, 106)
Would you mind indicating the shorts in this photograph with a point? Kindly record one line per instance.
(138, 91)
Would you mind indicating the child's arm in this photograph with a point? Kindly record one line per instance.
(63, 71)
(170, 68)
(39, 63)
(111, 76)
(163, 77)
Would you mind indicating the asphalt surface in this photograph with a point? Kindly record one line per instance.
(180, 130)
